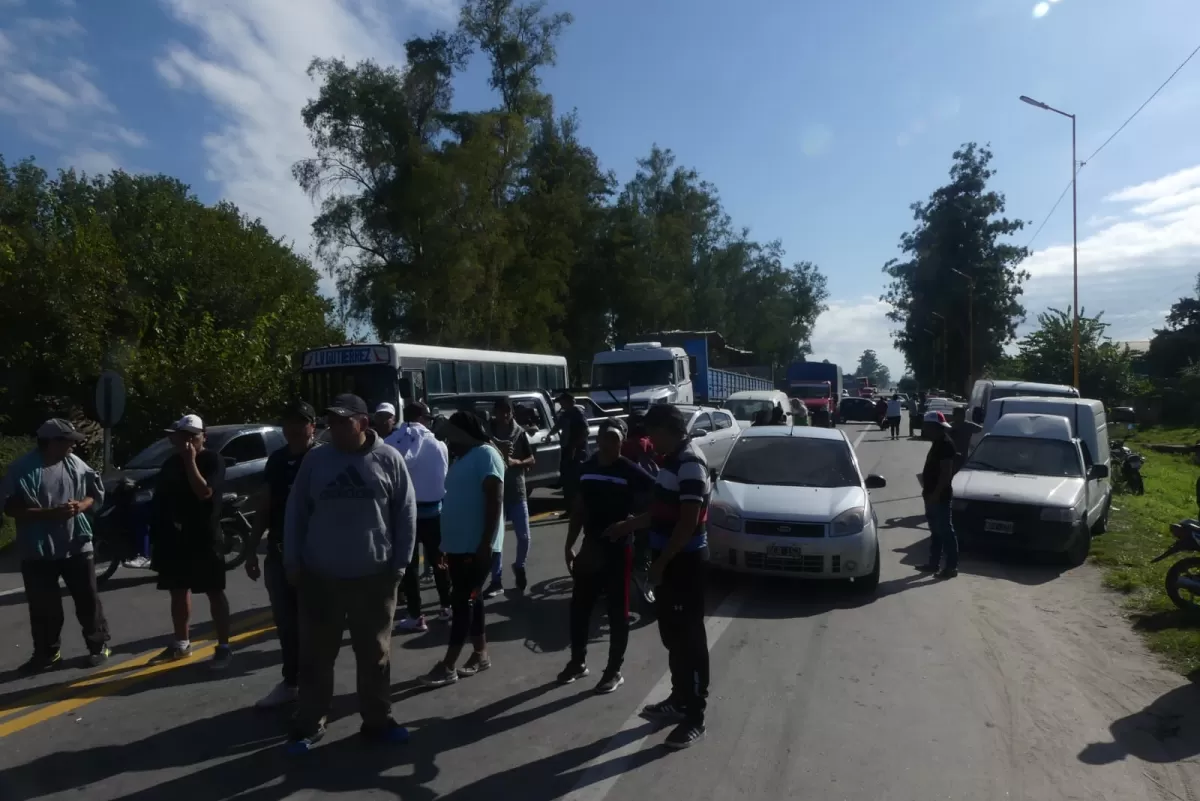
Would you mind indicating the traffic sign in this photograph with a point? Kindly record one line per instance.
(110, 398)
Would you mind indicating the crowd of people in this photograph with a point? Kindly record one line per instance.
(346, 526)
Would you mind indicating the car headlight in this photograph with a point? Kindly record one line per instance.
(851, 521)
(1062, 514)
(725, 518)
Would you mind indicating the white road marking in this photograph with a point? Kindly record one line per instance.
(11, 592)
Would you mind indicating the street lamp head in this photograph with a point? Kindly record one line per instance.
(1032, 102)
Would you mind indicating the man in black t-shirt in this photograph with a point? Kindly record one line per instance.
(573, 425)
(936, 490)
(298, 429)
(610, 487)
(186, 537)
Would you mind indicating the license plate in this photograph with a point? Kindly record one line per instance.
(788, 551)
(998, 526)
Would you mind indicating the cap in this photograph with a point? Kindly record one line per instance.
(347, 405)
(386, 408)
(191, 423)
(414, 411)
(937, 418)
(564, 396)
(666, 416)
(57, 428)
(299, 410)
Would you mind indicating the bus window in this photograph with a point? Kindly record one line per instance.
(462, 377)
(476, 370)
(541, 376)
(489, 376)
(513, 375)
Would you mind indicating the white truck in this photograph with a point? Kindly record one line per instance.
(641, 374)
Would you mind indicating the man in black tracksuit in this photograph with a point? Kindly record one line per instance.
(677, 520)
(610, 487)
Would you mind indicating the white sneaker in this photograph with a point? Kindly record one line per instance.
(137, 563)
(445, 614)
(280, 694)
(412, 624)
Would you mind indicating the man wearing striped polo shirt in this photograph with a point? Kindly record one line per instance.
(677, 521)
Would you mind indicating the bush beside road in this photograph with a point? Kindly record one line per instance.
(1139, 530)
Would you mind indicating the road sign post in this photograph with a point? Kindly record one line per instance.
(110, 406)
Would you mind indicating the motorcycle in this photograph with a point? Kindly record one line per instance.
(1130, 463)
(1184, 574)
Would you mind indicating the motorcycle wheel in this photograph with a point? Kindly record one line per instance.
(236, 533)
(1177, 571)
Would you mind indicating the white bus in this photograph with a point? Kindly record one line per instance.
(397, 372)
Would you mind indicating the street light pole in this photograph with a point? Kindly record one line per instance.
(970, 323)
(1074, 233)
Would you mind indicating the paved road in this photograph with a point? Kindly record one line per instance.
(1010, 682)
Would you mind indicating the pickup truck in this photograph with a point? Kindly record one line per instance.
(536, 412)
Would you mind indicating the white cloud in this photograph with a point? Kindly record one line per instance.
(251, 64)
(90, 161)
(848, 327)
(816, 140)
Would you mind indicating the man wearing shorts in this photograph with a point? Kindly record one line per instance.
(186, 536)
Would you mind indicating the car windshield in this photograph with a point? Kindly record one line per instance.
(810, 391)
(746, 409)
(1026, 456)
(657, 373)
(791, 462)
(152, 458)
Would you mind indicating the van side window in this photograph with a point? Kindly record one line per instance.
(1087, 455)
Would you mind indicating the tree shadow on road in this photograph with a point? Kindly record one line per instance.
(1168, 730)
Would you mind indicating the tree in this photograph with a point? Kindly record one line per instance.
(955, 247)
(1176, 346)
(907, 384)
(870, 367)
(1105, 368)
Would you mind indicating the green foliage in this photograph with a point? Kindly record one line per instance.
(908, 385)
(498, 228)
(197, 306)
(958, 276)
(869, 366)
(1105, 368)
(11, 448)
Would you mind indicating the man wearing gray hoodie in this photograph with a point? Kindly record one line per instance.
(348, 536)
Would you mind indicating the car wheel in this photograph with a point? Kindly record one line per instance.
(869, 584)
(1078, 552)
(1102, 524)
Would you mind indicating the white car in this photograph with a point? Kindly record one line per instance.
(713, 430)
(793, 501)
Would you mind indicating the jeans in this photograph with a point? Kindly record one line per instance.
(679, 603)
(942, 538)
(286, 611)
(517, 513)
(45, 603)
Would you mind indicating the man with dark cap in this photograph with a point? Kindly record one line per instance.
(299, 427)
(936, 490)
(46, 492)
(678, 520)
(349, 533)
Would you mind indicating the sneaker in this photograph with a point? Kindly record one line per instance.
(302, 744)
(948, 573)
(137, 563)
(685, 735)
(392, 732)
(412, 624)
(280, 695)
(572, 672)
(222, 656)
(475, 664)
(174, 652)
(664, 711)
(609, 682)
(100, 656)
(520, 578)
(928, 567)
(440, 676)
(39, 662)
(445, 614)
(494, 589)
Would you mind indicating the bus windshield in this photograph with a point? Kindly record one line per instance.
(809, 391)
(374, 383)
(657, 373)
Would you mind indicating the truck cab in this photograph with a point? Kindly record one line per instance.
(641, 374)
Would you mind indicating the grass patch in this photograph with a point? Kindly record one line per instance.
(1138, 532)
(10, 449)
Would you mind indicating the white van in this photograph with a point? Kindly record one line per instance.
(744, 405)
(986, 390)
(1039, 478)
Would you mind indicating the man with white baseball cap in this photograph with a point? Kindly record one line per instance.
(46, 492)
(185, 532)
(385, 420)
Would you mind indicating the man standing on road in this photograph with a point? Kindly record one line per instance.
(678, 520)
(514, 446)
(299, 420)
(961, 432)
(185, 531)
(385, 420)
(47, 492)
(894, 413)
(427, 459)
(573, 425)
(350, 530)
(936, 490)
(610, 486)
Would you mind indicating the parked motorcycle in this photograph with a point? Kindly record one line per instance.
(1130, 463)
(1184, 575)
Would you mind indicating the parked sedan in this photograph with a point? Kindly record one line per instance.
(793, 501)
(714, 430)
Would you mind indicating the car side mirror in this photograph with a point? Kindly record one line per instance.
(229, 461)
(701, 432)
(712, 474)
(1098, 471)
(977, 415)
(875, 482)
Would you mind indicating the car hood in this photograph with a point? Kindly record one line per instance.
(987, 485)
(802, 504)
(143, 478)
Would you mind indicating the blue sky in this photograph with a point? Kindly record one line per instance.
(819, 123)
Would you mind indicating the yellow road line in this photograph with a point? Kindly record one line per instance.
(107, 688)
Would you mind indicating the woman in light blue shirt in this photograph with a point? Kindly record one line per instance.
(472, 529)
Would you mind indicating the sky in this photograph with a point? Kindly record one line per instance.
(820, 123)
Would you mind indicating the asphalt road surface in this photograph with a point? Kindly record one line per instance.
(1013, 681)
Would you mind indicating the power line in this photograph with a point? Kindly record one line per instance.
(1113, 136)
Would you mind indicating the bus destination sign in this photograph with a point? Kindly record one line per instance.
(346, 357)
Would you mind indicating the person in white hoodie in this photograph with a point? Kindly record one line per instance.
(427, 460)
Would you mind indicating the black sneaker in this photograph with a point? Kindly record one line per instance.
(928, 567)
(519, 577)
(572, 672)
(609, 682)
(664, 711)
(685, 735)
(948, 573)
(391, 732)
(41, 662)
